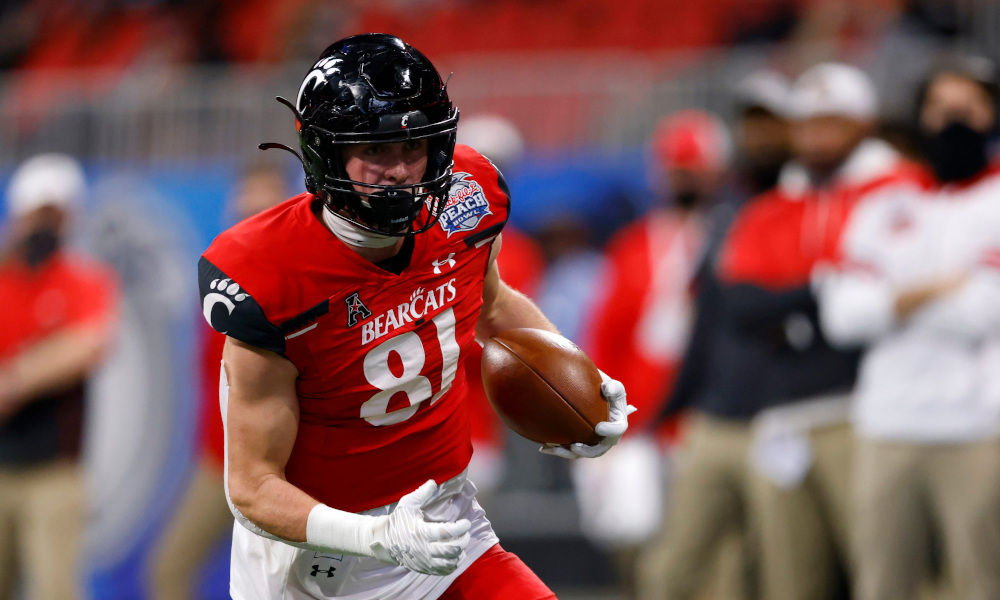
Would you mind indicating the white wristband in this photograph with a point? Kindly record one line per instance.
(341, 531)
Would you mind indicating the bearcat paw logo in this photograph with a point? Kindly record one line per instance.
(228, 294)
(416, 294)
(229, 287)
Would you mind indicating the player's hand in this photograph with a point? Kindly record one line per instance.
(612, 430)
(406, 538)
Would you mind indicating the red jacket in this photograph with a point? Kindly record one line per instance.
(779, 237)
(642, 322)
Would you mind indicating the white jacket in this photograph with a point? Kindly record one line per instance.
(934, 377)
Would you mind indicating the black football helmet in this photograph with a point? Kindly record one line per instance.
(369, 89)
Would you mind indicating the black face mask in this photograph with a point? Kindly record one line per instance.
(40, 245)
(686, 199)
(956, 152)
(762, 177)
(760, 173)
(765, 177)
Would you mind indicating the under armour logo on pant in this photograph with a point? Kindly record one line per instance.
(316, 571)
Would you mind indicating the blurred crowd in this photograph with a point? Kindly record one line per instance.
(817, 310)
(123, 34)
(808, 319)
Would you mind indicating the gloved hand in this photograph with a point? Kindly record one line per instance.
(612, 430)
(405, 538)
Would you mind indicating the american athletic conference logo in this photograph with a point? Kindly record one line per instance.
(356, 308)
(466, 207)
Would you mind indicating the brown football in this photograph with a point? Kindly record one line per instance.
(543, 386)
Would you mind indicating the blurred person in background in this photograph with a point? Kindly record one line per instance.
(642, 321)
(761, 131)
(202, 517)
(920, 286)
(522, 259)
(706, 541)
(641, 324)
(574, 269)
(57, 321)
(522, 265)
(801, 451)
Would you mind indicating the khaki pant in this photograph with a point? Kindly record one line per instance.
(201, 520)
(42, 512)
(905, 494)
(703, 543)
(804, 531)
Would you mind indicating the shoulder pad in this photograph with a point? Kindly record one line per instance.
(232, 311)
(479, 200)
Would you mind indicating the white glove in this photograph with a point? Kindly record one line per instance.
(405, 538)
(611, 430)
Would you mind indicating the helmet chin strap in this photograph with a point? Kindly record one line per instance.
(353, 235)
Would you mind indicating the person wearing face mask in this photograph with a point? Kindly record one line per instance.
(801, 447)
(642, 324)
(761, 131)
(707, 542)
(57, 320)
(919, 285)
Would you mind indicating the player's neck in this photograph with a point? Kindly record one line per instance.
(372, 248)
(376, 255)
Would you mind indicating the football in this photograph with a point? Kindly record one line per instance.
(543, 386)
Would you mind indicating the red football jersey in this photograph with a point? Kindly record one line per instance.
(381, 395)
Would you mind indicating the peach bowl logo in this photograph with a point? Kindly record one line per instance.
(466, 206)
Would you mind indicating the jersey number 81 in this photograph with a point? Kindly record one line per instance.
(417, 388)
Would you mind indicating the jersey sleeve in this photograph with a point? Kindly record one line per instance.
(504, 189)
(230, 310)
(499, 199)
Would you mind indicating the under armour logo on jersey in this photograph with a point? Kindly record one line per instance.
(450, 261)
(356, 307)
(228, 295)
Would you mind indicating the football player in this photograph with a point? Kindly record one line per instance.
(348, 310)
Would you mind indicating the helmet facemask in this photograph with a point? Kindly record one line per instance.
(385, 209)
